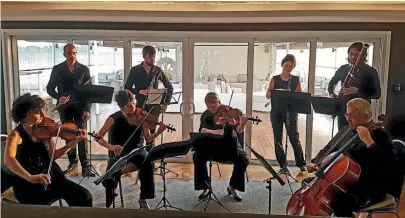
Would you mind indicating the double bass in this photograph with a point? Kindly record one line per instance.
(337, 172)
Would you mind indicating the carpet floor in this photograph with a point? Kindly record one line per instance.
(180, 193)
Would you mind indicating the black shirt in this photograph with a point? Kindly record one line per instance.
(139, 79)
(366, 81)
(207, 121)
(376, 162)
(290, 84)
(121, 130)
(64, 81)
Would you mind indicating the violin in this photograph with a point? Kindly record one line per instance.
(226, 114)
(336, 174)
(48, 128)
(150, 121)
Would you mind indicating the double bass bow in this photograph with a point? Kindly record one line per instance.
(337, 172)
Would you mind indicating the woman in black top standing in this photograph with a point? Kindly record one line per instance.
(286, 82)
(29, 158)
(119, 130)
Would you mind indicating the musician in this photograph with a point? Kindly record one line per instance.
(373, 152)
(200, 158)
(119, 131)
(29, 158)
(63, 77)
(366, 84)
(146, 76)
(286, 82)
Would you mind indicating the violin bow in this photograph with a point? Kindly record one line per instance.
(223, 128)
(52, 156)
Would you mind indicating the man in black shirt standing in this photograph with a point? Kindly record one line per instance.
(63, 77)
(219, 149)
(146, 76)
(366, 84)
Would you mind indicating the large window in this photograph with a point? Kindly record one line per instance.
(213, 65)
(221, 68)
(35, 62)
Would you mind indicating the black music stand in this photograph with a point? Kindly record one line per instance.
(157, 99)
(290, 102)
(328, 106)
(202, 143)
(270, 169)
(92, 94)
(119, 164)
(161, 152)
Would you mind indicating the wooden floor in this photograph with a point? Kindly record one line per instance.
(262, 134)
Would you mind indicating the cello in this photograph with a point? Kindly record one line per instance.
(336, 174)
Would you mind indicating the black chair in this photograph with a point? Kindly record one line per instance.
(110, 156)
(391, 203)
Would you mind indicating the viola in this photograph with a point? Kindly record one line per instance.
(48, 128)
(226, 114)
(336, 174)
(150, 121)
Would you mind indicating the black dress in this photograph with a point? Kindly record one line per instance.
(34, 158)
(278, 118)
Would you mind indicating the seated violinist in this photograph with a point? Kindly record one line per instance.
(120, 129)
(214, 145)
(373, 152)
(29, 158)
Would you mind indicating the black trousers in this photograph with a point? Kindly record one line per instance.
(146, 175)
(237, 181)
(74, 194)
(290, 121)
(73, 114)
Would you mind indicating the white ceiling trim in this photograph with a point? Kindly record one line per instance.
(205, 17)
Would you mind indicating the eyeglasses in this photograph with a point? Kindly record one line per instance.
(350, 116)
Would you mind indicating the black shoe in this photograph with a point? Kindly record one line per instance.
(204, 194)
(234, 193)
(303, 169)
(283, 171)
(86, 172)
(143, 204)
(70, 168)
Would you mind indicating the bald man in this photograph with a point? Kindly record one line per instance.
(63, 78)
(373, 151)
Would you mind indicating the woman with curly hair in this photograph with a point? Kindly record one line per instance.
(29, 159)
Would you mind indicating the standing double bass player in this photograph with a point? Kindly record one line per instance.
(373, 152)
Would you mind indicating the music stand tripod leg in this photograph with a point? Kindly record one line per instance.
(166, 203)
(211, 193)
(91, 167)
(163, 169)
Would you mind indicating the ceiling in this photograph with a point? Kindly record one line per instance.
(205, 12)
